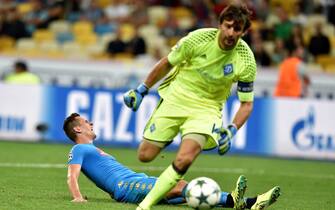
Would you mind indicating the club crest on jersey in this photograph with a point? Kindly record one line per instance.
(228, 69)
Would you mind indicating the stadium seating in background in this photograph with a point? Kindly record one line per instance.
(183, 16)
(328, 30)
(60, 26)
(157, 45)
(74, 50)
(327, 62)
(62, 30)
(64, 37)
(103, 3)
(332, 40)
(154, 41)
(6, 44)
(269, 47)
(314, 19)
(82, 27)
(42, 35)
(24, 8)
(27, 47)
(128, 32)
(158, 15)
(147, 31)
(330, 68)
(125, 56)
(96, 51)
(102, 29)
(86, 39)
(51, 49)
(256, 25)
(287, 5)
(105, 39)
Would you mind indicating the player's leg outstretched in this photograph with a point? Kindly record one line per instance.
(266, 199)
(238, 193)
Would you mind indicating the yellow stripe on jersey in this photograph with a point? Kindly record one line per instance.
(172, 75)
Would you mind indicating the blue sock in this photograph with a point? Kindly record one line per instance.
(184, 191)
(176, 200)
(226, 200)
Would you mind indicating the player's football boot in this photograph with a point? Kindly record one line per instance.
(238, 193)
(266, 199)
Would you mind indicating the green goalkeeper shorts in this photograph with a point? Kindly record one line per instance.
(169, 119)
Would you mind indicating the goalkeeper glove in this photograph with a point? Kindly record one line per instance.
(226, 134)
(133, 98)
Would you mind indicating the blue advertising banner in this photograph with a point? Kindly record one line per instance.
(280, 127)
(114, 123)
(276, 127)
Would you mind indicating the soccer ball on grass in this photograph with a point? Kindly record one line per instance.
(202, 193)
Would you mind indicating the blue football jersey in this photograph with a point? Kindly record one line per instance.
(101, 168)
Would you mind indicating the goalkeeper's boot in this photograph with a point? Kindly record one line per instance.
(238, 193)
(266, 199)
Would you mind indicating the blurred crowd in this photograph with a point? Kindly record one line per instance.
(140, 27)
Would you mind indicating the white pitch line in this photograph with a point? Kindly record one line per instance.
(161, 168)
(32, 165)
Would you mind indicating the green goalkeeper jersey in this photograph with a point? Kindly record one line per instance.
(203, 73)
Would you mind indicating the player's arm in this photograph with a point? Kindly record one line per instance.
(134, 97)
(72, 182)
(227, 133)
(243, 113)
(245, 92)
(160, 70)
(179, 53)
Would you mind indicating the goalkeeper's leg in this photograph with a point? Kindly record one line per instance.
(188, 151)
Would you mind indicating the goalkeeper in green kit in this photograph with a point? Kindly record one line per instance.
(199, 73)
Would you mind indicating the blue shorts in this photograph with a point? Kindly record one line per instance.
(133, 189)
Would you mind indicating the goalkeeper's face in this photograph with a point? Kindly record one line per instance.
(230, 32)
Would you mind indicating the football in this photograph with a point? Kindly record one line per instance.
(202, 193)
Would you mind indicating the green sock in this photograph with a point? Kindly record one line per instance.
(165, 182)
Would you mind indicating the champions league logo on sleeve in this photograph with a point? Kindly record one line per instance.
(228, 69)
(305, 137)
(70, 156)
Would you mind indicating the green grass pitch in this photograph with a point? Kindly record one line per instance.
(33, 176)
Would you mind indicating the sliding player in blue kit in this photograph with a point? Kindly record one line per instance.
(123, 184)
